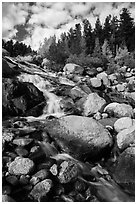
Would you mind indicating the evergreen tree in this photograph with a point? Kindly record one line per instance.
(88, 37)
(106, 50)
(97, 50)
(114, 39)
(98, 31)
(107, 28)
(127, 29)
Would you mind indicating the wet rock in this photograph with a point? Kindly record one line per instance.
(126, 137)
(119, 110)
(95, 82)
(41, 189)
(123, 123)
(104, 115)
(71, 68)
(21, 166)
(68, 171)
(79, 135)
(7, 198)
(97, 116)
(124, 173)
(22, 141)
(93, 104)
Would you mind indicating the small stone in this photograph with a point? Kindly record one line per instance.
(120, 87)
(41, 175)
(34, 149)
(99, 69)
(128, 74)
(12, 180)
(95, 82)
(7, 135)
(68, 171)
(21, 166)
(34, 180)
(80, 186)
(97, 116)
(21, 151)
(41, 189)
(22, 141)
(54, 169)
(104, 115)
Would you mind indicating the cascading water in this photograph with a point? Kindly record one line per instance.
(53, 103)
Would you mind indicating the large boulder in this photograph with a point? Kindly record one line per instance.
(8, 69)
(126, 138)
(119, 110)
(71, 68)
(19, 97)
(80, 136)
(92, 104)
(124, 173)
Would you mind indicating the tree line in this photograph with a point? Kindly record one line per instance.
(17, 48)
(108, 38)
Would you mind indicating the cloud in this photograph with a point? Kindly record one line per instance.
(12, 15)
(44, 19)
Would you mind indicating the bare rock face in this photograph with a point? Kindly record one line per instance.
(125, 169)
(80, 136)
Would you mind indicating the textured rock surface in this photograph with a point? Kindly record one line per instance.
(123, 123)
(93, 104)
(125, 169)
(41, 189)
(71, 68)
(79, 136)
(126, 137)
(21, 166)
(95, 82)
(119, 110)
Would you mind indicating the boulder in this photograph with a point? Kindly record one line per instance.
(8, 69)
(124, 173)
(119, 110)
(77, 93)
(126, 137)
(80, 136)
(95, 82)
(92, 72)
(19, 97)
(120, 87)
(21, 166)
(71, 68)
(123, 123)
(104, 77)
(112, 77)
(93, 104)
(99, 69)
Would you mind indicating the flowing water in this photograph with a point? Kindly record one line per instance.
(53, 101)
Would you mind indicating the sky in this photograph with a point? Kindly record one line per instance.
(32, 22)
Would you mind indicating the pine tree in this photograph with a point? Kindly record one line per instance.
(106, 50)
(98, 31)
(107, 28)
(97, 50)
(127, 29)
(88, 37)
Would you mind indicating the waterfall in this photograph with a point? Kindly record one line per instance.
(53, 103)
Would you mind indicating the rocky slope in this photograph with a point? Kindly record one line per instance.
(67, 136)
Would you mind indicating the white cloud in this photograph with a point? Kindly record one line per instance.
(47, 17)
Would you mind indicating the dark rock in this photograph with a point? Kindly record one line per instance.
(21, 166)
(80, 136)
(124, 173)
(13, 180)
(21, 151)
(9, 69)
(24, 180)
(19, 97)
(41, 189)
(41, 174)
